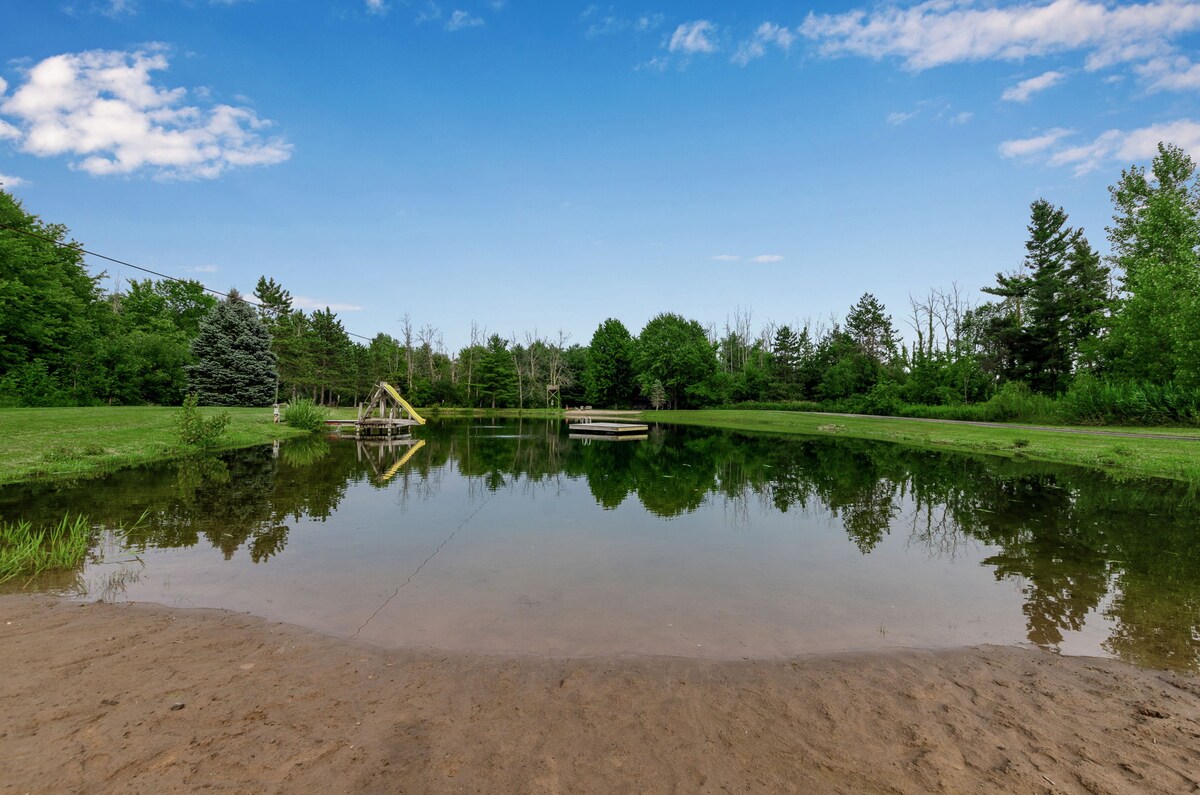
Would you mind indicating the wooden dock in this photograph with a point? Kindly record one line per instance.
(608, 429)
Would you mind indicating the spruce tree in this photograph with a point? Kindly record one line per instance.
(234, 365)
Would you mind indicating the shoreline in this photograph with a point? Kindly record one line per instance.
(87, 703)
(57, 445)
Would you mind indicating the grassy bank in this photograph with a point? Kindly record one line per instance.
(1160, 457)
(81, 442)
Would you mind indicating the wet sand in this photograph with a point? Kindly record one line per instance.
(141, 698)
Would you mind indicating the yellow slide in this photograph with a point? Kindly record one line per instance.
(386, 476)
(396, 395)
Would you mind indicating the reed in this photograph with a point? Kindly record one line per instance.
(26, 550)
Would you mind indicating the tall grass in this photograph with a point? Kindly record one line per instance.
(1090, 401)
(306, 415)
(26, 550)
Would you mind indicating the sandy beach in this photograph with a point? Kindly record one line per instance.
(142, 698)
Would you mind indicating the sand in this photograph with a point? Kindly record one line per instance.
(140, 698)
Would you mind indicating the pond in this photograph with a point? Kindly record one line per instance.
(507, 536)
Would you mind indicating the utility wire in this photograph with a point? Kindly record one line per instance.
(82, 250)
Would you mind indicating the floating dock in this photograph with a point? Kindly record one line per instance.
(617, 429)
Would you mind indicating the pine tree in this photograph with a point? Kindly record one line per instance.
(234, 365)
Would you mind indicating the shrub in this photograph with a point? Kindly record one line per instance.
(196, 431)
(306, 415)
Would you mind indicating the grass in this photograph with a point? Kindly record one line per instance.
(28, 551)
(1178, 459)
(84, 442)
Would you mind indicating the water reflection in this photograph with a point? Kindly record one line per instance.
(1077, 546)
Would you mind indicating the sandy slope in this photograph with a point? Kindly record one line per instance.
(87, 693)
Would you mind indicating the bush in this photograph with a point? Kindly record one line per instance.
(306, 415)
(196, 431)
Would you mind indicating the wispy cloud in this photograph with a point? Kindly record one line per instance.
(461, 19)
(768, 34)
(103, 108)
(1025, 147)
(377, 7)
(896, 118)
(940, 32)
(1022, 91)
(767, 258)
(204, 269)
(693, 37)
(606, 21)
(1170, 74)
(300, 302)
(1055, 148)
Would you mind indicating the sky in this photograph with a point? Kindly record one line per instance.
(541, 166)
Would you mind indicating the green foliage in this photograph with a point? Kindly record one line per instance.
(1155, 240)
(677, 354)
(234, 364)
(1092, 401)
(28, 551)
(306, 415)
(608, 375)
(194, 430)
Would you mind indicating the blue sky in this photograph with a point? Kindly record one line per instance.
(546, 165)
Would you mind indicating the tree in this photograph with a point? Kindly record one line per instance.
(678, 354)
(234, 365)
(1155, 239)
(49, 309)
(869, 325)
(608, 378)
(497, 375)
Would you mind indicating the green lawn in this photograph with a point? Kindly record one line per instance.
(1170, 458)
(80, 442)
(73, 442)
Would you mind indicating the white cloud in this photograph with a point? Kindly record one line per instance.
(1120, 146)
(962, 118)
(940, 32)
(3, 85)
(1129, 145)
(1170, 74)
(768, 33)
(115, 8)
(897, 118)
(376, 7)
(300, 302)
(605, 21)
(8, 132)
(103, 108)
(461, 19)
(727, 258)
(204, 269)
(12, 182)
(767, 258)
(1024, 147)
(658, 63)
(1022, 91)
(693, 37)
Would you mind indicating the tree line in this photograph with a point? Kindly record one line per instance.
(1093, 338)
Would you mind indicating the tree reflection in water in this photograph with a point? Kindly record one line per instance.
(1074, 541)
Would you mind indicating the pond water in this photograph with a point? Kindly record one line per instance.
(510, 537)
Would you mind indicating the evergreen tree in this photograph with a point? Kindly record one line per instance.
(497, 375)
(608, 377)
(869, 325)
(786, 356)
(234, 365)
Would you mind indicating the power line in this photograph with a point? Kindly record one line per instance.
(82, 250)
